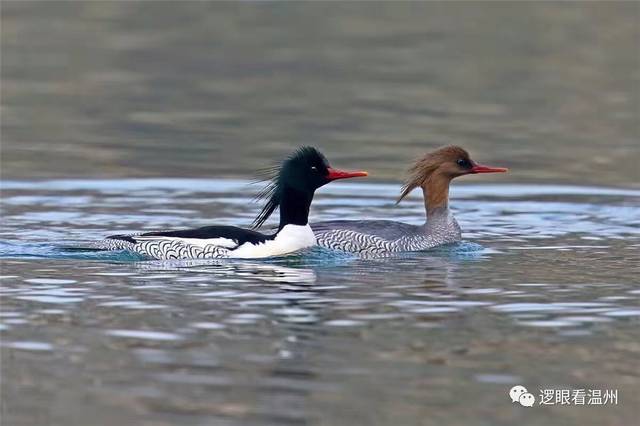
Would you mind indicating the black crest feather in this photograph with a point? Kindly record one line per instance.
(272, 194)
(272, 191)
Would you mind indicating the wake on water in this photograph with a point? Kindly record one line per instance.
(314, 256)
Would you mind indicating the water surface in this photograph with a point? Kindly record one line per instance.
(211, 89)
(542, 292)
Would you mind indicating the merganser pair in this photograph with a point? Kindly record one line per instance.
(291, 189)
(433, 173)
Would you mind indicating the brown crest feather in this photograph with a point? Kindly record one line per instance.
(421, 170)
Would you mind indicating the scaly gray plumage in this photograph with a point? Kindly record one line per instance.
(159, 248)
(385, 236)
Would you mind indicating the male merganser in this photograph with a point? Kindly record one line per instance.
(432, 173)
(291, 189)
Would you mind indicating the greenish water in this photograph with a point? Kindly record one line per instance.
(106, 104)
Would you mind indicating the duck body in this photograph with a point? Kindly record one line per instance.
(290, 190)
(213, 242)
(386, 236)
(433, 174)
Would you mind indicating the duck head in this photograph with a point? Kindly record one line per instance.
(434, 172)
(307, 169)
(293, 184)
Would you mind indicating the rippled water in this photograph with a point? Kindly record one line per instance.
(542, 292)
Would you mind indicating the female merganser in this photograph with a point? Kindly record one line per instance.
(291, 190)
(432, 173)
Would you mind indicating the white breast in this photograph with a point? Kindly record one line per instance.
(291, 238)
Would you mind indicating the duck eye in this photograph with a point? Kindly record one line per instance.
(314, 168)
(464, 163)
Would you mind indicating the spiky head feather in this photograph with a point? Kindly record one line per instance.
(276, 177)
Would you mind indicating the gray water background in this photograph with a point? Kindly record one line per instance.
(124, 116)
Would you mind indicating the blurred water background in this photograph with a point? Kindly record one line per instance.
(124, 116)
(113, 89)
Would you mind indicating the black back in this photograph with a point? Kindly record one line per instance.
(239, 235)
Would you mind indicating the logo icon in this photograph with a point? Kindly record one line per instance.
(521, 395)
(527, 400)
